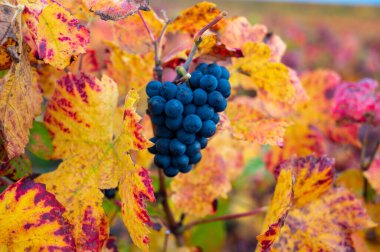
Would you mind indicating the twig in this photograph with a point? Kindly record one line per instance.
(146, 27)
(6, 181)
(224, 217)
(166, 239)
(198, 38)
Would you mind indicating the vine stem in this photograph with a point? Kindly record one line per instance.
(198, 38)
(146, 27)
(224, 218)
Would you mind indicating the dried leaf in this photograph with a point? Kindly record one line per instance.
(116, 10)
(31, 220)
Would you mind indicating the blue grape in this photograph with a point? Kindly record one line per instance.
(177, 148)
(208, 82)
(189, 109)
(162, 161)
(215, 118)
(195, 159)
(168, 90)
(201, 67)
(205, 112)
(173, 108)
(193, 149)
(184, 94)
(208, 128)
(162, 146)
(171, 172)
(221, 106)
(187, 169)
(225, 73)
(195, 78)
(203, 142)
(158, 119)
(173, 123)
(156, 105)
(163, 132)
(185, 137)
(180, 162)
(224, 87)
(200, 97)
(192, 123)
(153, 149)
(153, 88)
(214, 69)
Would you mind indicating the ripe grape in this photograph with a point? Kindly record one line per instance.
(193, 149)
(224, 87)
(200, 97)
(171, 171)
(195, 159)
(208, 128)
(162, 161)
(214, 69)
(184, 94)
(168, 90)
(225, 73)
(185, 137)
(203, 142)
(156, 105)
(189, 109)
(205, 112)
(176, 147)
(180, 162)
(192, 123)
(195, 79)
(173, 123)
(162, 146)
(153, 88)
(209, 82)
(173, 108)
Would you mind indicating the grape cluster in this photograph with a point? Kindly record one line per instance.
(185, 115)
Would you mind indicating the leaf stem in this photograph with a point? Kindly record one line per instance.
(146, 27)
(224, 218)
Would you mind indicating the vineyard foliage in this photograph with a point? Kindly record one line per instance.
(75, 135)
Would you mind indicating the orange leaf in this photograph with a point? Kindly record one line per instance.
(195, 192)
(278, 210)
(20, 102)
(115, 10)
(31, 220)
(373, 174)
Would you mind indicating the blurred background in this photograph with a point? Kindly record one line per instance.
(343, 35)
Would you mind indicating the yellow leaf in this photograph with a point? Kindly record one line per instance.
(20, 102)
(195, 192)
(278, 210)
(194, 18)
(249, 123)
(54, 46)
(31, 220)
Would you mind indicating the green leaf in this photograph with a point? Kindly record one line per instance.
(40, 143)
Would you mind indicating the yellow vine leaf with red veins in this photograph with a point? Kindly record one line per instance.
(79, 117)
(20, 102)
(31, 220)
(195, 18)
(249, 122)
(323, 218)
(55, 46)
(127, 69)
(116, 10)
(195, 192)
(278, 210)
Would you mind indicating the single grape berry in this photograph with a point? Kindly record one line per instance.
(185, 137)
(168, 90)
(110, 193)
(162, 161)
(153, 149)
(162, 146)
(184, 94)
(153, 88)
(203, 142)
(205, 112)
(200, 97)
(171, 172)
(156, 105)
(189, 109)
(193, 148)
(201, 67)
(225, 73)
(195, 79)
(162, 131)
(173, 123)
(214, 69)
(192, 123)
(158, 119)
(180, 162)
(208, 128)
(195, 159)
(215, 98)
(176, 147)
(224, 87)
(173, 108)
(221, 106)
(215, 118)
(208, 82)
(186, 170)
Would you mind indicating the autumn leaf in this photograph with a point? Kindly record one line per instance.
(40, 142)
(31, 220)
(116, 10)
(194, 193)
(194, 18)
(278, 210)
(211, 48)
(20, 102)
(55, 46)
(15, 168)
(373, 174)
(249, 123)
